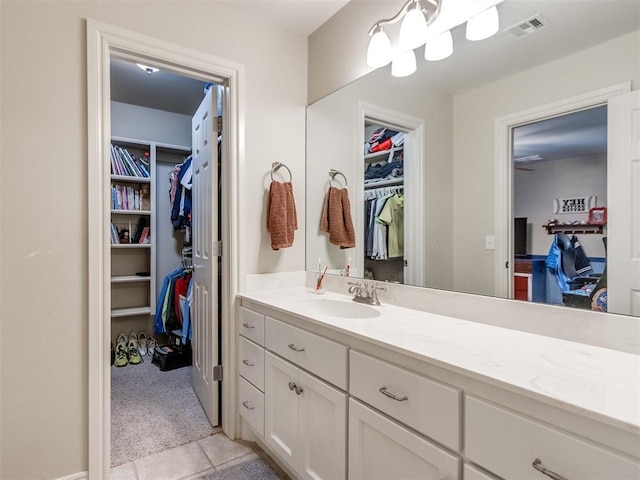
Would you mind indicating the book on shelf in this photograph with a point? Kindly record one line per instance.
(125, 164)
(142, 223)
(126, 197)
(144, 236)
(115, 237)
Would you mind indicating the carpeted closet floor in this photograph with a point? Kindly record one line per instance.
(152, 411)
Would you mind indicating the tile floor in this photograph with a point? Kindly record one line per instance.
(189, 461)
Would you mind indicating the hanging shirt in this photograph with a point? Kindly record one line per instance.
(392, 215)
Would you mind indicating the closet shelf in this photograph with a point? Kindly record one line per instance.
(123, 178)
(130, 245)
(574, 229)
(384, 183)
(131, 212)
(380, 156)
(130, 279)
(128, 312)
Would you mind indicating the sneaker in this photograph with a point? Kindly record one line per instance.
(120, 355)
(122, 338)
(134, 352)
(142, 343)
(151, 346)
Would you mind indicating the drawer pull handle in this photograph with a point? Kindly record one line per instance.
(246, 362)
(246, 405)
(293, 386)
(295, 349)
(246, 325)
(384, 391)
(537, 464)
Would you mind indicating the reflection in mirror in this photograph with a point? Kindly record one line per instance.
(458, 180)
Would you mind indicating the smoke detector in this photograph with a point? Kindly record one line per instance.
(528, 27)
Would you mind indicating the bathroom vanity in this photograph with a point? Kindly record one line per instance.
(335, 389)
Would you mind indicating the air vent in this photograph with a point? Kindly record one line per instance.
(528, 26)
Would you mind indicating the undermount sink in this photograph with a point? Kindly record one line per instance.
(342, 309)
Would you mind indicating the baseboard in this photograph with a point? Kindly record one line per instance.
(76, 476)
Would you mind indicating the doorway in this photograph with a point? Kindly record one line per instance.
(159, 395)
(103, 41)
(559, 177)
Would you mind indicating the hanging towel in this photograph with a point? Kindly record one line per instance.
(282, 219)
(336, 218)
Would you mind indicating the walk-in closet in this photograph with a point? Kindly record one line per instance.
(384, 201)
(155, 403)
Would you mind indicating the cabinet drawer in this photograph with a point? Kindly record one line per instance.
(252, 363)
(251, 405)
(507, 443)
(320, 356)
(251, 325)
(382, 449)
(429, 407)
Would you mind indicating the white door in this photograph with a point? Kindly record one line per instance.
(205, 260)
(380, 449)
(623, 204)
(281, 407)
(322, 430)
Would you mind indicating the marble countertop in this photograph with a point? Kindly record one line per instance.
(596, 382)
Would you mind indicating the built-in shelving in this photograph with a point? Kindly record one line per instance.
(130, 312)
(384, 155)
(131, 212)
(130, 279)
(384, 183)
(582, 229)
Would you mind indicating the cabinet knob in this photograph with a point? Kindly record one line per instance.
(246, 362)
(537, 464)
(246, 405)
(293, 347)
(384, 391)
(292, 385)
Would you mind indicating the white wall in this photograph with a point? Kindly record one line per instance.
(535, 189)
(43, 196)
(134, 121)
(474, 113)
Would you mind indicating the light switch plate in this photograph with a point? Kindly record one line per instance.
(489, 242)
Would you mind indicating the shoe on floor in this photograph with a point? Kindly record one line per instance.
(142, 343)
(151, 346)
(122, 338)
(134, 352)
(120, 355)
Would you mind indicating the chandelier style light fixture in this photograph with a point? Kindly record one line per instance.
(425, 22)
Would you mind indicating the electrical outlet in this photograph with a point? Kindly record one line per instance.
(489, 242)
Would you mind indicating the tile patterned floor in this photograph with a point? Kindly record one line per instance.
(188, 461)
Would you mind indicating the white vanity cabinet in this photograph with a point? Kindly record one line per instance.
(305, 421)
(251, 368)
(511, 445)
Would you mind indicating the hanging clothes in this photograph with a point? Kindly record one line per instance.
(392, 215)
(169, 314)
(181, 179)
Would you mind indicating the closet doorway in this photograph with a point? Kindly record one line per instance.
(165, 287)
(103, 43)
(405, 184)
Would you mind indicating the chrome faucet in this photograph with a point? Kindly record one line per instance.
(365, 294)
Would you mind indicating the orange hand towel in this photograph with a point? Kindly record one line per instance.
(336, 218)
(282, 219)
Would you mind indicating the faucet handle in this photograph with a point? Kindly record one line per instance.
(378, 287)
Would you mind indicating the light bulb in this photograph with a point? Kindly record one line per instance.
(483, 25)
(413, 31)
(439, 48)
(404, 65)
(379, 50)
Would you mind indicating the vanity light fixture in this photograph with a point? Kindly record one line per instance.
(417, 16)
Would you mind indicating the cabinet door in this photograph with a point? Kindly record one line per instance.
(281, 408)
(382, 449)
(322, 430)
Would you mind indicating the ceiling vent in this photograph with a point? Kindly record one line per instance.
(528, 26)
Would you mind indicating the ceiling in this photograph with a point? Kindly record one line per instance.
(572, 25)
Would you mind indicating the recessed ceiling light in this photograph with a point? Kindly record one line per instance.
(147, 69)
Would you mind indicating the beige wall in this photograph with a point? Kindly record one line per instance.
(474, 113)
(43, 197)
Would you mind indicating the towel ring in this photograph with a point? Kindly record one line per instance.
(333, 173)
(275, 166)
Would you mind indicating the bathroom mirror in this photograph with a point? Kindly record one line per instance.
(451, 112)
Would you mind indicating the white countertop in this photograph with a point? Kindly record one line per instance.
(596, 382)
